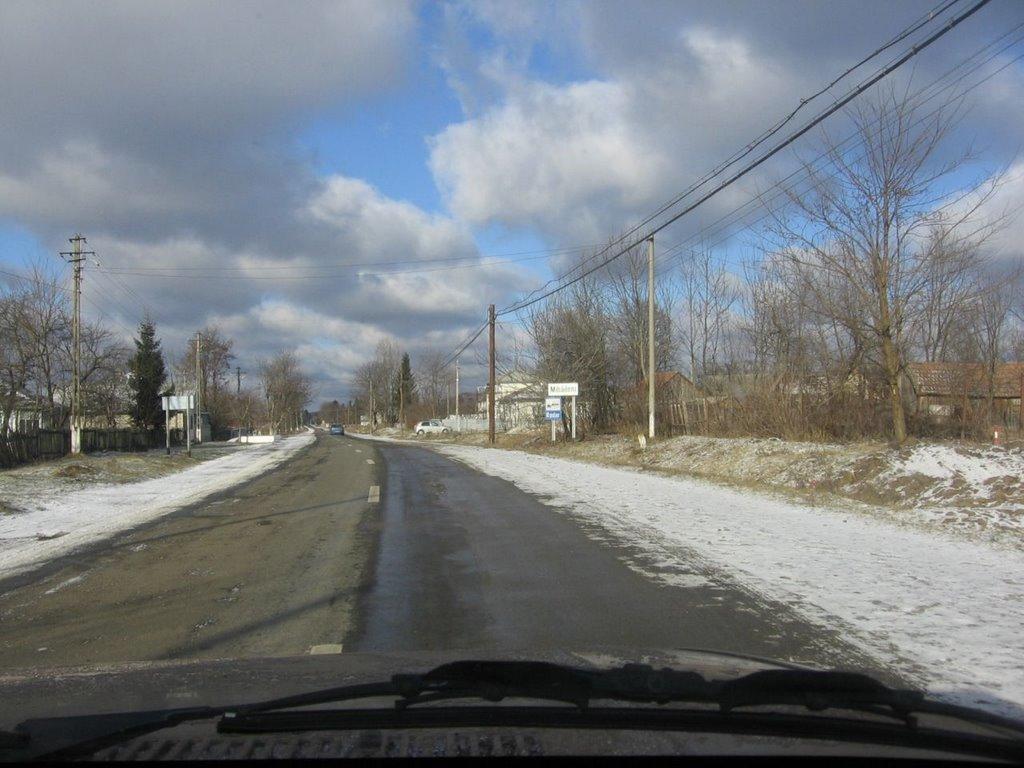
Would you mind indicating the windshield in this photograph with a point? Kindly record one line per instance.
(600, 332)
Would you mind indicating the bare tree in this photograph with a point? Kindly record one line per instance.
(286, 389)
(216, 356)
(16, 355)
(709, 294)
(433, 380)
(861, 233)
(573, 335)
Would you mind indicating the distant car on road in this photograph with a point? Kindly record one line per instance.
(430, 427)
(337, 429)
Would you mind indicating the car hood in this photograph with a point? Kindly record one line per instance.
(141, 686)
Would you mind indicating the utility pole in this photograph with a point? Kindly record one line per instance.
(199, 389)
(458, 419)
(76, 257)
(490, 377)
(650, 338)
(238, 380)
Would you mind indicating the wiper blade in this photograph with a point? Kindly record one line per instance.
(499, 680)
(639, 683)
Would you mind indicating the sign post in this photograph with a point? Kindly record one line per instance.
(178, 403)
(560, 390)
(553, 412)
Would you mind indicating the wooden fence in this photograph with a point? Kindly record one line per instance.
(20, 448)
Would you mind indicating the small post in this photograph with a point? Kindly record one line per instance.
(552, 430)
(188, 425)
(574, 418)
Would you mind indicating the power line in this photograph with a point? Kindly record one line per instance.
(749, 148)
(464, 346)
(57, 287)
(780, 188)
(329, 274)
(836, 106)
(327, 270)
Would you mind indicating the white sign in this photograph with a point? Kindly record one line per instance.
(179, 402)
(553, 408)
(565, 389)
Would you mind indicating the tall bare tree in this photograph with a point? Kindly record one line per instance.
(287, 390)
(861, 232)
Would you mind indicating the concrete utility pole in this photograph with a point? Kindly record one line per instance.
(76, 257)
(650, 337)
(490, 377)
(457, 388)
(199, 389)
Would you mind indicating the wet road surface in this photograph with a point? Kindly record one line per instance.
(467, 560)
(358, 545)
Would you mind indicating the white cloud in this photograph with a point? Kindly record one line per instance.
(581, 159)
(1007, 243)
(375, 224)
(363, 288)
(544, 155)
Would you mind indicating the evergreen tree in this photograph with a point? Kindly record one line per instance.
(148, 374)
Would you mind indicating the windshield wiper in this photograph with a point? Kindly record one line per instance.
(638, 683)
(496, 681)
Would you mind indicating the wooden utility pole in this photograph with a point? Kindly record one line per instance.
(650, 338)
(199, 388)
(490, 377)
(238, 379)
(76, 257)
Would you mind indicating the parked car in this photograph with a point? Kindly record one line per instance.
(430, 427)
(337, 429)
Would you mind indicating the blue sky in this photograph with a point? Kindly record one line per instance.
(251, 156)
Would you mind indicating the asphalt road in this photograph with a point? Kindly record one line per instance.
(306, 559)
(467, 560)
(269, 568)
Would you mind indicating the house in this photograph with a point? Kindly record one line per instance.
(30, 413)
(519, 401)
(944, 389)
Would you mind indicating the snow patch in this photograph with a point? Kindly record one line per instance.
(945, 611)
(53, 522)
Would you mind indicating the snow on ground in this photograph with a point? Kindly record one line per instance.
(948, 612)
(964, 488)
(55, 521)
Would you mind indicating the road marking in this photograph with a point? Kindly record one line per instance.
(369, 461)
(66, 583)
(374, 495)
(359, 450)
(318, 650)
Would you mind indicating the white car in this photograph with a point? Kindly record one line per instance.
(430, 427)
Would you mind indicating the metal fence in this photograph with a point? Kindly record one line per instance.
(471, 423)
(22, 447)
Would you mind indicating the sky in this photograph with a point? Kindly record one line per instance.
(318, 176)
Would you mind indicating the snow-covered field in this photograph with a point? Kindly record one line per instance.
(53, 520)
(946, 610)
